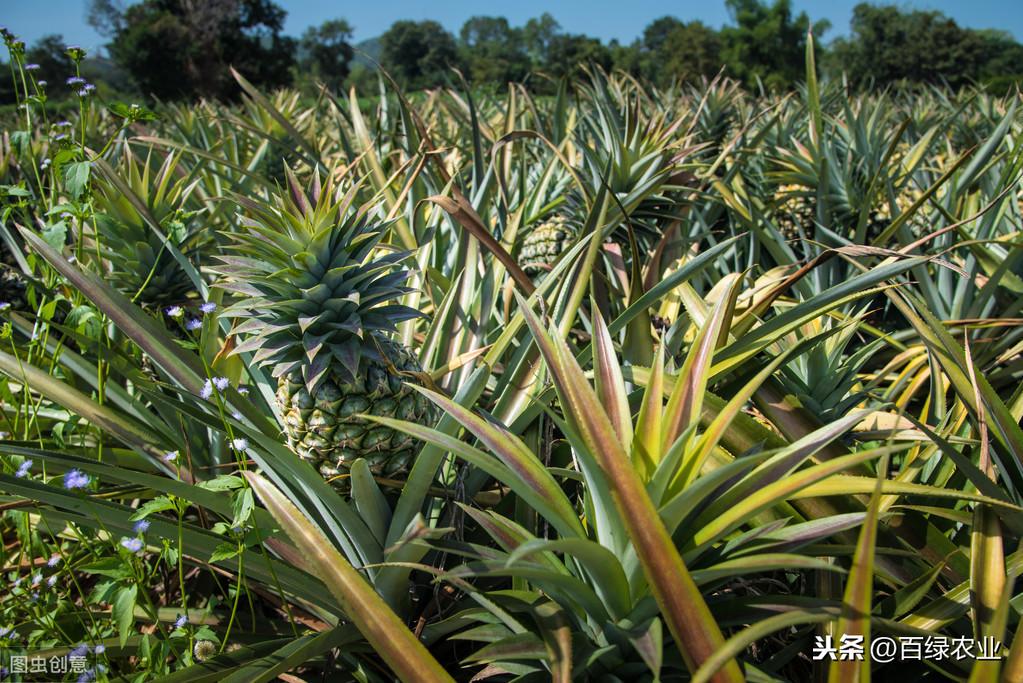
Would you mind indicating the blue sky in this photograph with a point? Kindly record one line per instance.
(603, 18)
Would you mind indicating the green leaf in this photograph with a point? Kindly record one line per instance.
(55, 235)
(124, 612)
(76, 177)
(223, 482)
(159, 504)
(225, 551)
(113, 567)
(856, 603)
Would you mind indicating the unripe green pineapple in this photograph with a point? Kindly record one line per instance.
(321, 426)
(544, 244)
(316, 296)
(796, 214)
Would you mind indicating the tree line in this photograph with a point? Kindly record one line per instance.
(178, 49)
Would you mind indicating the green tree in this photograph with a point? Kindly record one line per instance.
(567, 54)
(671, 49)
(767, 44)
(179, 49)
(493, 51)
(887, 44)
(1002, 62)
(537, 36)
(418, 54)
(326, 52)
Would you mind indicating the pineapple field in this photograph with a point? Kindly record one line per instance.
(619, 383)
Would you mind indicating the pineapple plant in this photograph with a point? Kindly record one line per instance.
(138, 262)
(316, 294)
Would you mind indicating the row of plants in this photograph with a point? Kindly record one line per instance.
(620, 384)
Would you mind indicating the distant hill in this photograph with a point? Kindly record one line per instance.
(371, 48)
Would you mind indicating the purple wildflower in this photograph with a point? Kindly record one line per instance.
(75, 479)
(42, 83)
(193, 324)
(206, 391)
(75, 80)
(170, 456)
(79, 651)
(53, 561)
(132, 544)
(141, 526)
(221, 383)
(52, 580)
(240, 444)
(181, 621)
(100, 649)
(23, 469)
(174, 311)
(208, 307)
(31, 67)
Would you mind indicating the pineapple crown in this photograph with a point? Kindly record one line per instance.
(313, 288)
(141, 265)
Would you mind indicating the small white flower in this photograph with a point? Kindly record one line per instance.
(174, 311)
(208, 307)
(171, 456)
(221, 383)
(206, 391)
(240, 444)
(51, 581)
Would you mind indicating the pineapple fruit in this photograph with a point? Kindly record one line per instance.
(315, 297)
(544, 244)
(796, 215)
